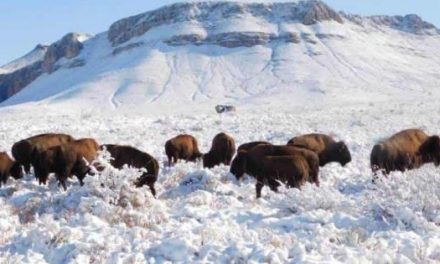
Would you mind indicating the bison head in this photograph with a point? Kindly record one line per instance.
(16, 170)
(209, 161)
(81, 169)
(430, 150)
(238, 166)
(343, 153)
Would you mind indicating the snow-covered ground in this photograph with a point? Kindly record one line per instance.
(205, 215)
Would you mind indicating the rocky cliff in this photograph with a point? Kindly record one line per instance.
(209, 13)
(67, 47)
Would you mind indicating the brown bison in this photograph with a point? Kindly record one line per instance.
(222, 150)
(131, 156)
(250, 162)
(182, 147)
(292, 170)
(9, 167)
(22, 150)
(326, 147)
(406, 150)
(72, 158)
(249, 145)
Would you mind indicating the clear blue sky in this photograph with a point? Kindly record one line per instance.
(25, 23)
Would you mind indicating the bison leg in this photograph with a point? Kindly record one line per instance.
(259, 186)
(80, 179)
(273, 185)
(317, 183)
(63, 183)
(153, 190)
(27, 168)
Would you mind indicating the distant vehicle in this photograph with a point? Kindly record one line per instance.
(224, 108)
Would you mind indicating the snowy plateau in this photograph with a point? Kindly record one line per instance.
(290, 69)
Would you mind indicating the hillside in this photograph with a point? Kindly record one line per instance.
(211, 52)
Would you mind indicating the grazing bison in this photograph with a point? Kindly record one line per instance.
(131, 156)
(326, 147)
(22, 150)
(250, 145)
(72, 158)
(9, 167)
(250, 162)
(406, 150)
(292, 170)
(182, 147)
(222, 150)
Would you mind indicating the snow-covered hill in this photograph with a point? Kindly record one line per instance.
(211, 52)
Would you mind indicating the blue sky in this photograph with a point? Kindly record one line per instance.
(24, 24)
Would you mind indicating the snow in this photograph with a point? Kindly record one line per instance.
(358, 83)
(205, 215)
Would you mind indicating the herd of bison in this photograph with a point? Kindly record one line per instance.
(293, 164)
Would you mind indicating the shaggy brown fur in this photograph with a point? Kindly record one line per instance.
(406, 150)
(250, 145)
(133, 157)
(9, 167)
(182, 147)
(66, 160)
(250, 161)
(22, 150)
(222, 150)
(326, 147)
(292, 170)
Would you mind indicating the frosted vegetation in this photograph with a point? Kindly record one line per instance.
(206, 215)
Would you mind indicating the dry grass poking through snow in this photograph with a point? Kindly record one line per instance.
(206, 215)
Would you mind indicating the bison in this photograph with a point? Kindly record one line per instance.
(131, 156)
(250, 162)
(326, 147)
(65, 160)
(292, 170)
(22, 150)
(250, 145)
(406, 150)
(222, 150)
(9, 167)
(182, 147)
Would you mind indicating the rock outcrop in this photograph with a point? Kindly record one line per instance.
(307, 12)
(412, 24)
(232, 39)
(13, 82)
(409, 23)
(68, 47)
(318, 12)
